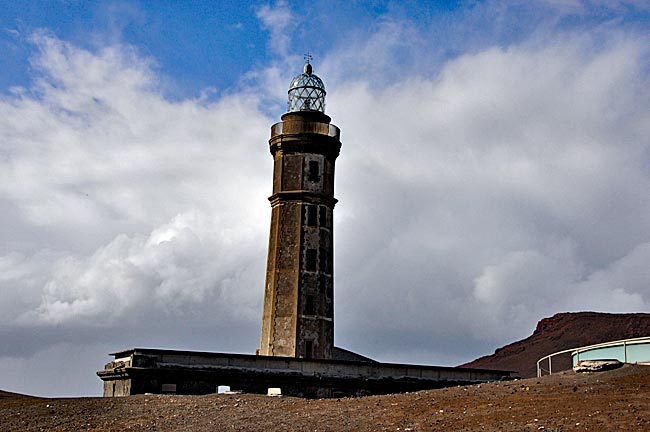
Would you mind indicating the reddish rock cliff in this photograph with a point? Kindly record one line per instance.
(563, 331)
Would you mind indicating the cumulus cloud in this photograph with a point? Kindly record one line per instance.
(512, 186)
(181, 264)
(123, 205)
(279, 20)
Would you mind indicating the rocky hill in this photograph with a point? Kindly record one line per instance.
(563, 331)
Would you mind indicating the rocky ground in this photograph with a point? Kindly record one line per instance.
(605, 401)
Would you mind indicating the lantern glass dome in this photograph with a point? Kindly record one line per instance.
(306, 92)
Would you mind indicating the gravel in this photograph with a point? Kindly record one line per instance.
(614, 400)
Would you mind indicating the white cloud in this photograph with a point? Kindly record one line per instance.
(494, 194)
(279, 20)
(391, 50)
(582, 6)
(98, 127)
(180, 265)
(123, 204)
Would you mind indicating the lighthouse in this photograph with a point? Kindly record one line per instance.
(298, 316)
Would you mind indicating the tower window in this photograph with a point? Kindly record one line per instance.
(323, 260)
(323, 216)
(330, 262)
(311, 216)
(309, 349)
(314, 171)
(311, 260)
(322, 284)
(309, 305)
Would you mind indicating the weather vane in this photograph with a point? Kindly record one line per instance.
(308, 57)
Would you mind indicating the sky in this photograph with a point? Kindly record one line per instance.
(495, 170)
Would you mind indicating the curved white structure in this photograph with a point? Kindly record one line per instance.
(635, 350)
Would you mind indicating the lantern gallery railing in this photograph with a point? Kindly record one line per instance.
(297, 127)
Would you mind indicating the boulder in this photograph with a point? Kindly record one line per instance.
(597, 365)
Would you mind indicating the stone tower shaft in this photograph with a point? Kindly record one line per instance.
(298, 317)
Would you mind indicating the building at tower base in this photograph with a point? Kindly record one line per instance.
(139, 371)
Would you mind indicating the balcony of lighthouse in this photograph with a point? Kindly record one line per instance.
(290, 127)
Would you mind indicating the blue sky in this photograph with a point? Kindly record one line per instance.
(200, 44)
(494, 171)
(214, 44)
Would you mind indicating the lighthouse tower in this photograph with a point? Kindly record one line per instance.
(298, 317)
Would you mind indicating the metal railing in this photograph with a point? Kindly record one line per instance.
(626, 355)
(294, 127)
(549, 358)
